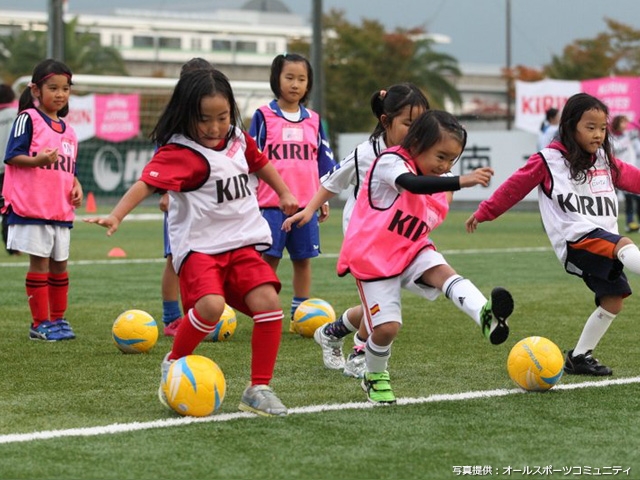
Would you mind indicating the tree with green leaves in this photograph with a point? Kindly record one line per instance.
(614, 52)
(19, 53)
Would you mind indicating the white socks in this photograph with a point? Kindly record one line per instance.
(595, 328)
(377, 357)
(629, 255)
(465, 295)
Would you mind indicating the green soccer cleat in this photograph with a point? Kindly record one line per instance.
(378, 388)
(494, 316)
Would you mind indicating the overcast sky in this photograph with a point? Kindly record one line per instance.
(477, 28)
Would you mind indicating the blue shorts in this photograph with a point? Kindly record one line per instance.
(167, 245)
(301, 243)
(592, 258)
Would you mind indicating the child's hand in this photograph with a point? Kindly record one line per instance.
(164, 202)
(480, 176)
(324, 212)
(471, 224)
(301, 218)
(48, 156)
(110, 222)
(77, 195)
(288, 204)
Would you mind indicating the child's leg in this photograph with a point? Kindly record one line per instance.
(629, 254)
(580, 360)
(490, 315)
(301, 285)
(196, 324)
(265, 342)
(170, 294)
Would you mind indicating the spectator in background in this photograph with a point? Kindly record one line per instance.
(549, 127)
(8, 113)
(624, 149)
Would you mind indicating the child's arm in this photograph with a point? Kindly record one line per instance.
(426, 184)
(76, 193)
(48, 156)
(269, 175)
(136, 194)
(305, 215)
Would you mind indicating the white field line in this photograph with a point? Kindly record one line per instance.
(121, 261)
(226, 417)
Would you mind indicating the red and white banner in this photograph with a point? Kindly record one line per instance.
(114, 118)
(620, 94)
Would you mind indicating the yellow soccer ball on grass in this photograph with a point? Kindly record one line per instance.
(311, 315)
(535, 364)
(134, 331)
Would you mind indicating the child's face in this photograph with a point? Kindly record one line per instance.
(293, 82)
(440, 157)
(53, 95)
(399, 125)
(591, 130)
(215, 122)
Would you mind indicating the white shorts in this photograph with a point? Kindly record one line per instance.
(47, 241)
(381, 299)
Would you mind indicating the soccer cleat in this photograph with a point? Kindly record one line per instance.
(65, 328)
(164, 370)
(378, 388)
(494, 314)
(355, 364)
(47, 331)
(170, 329)
(331, 349)
(261, 400)
(585, 365)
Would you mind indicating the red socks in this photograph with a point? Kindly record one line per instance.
(38, 296)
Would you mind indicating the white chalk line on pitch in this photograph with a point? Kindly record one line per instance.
(121, 261)
(226, 417)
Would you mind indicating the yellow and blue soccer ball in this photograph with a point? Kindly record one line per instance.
(535, 364)
(311, 315)
(225, 327)
(134, 331)
(194, 386)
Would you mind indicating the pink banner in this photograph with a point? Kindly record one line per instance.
(117, 117)
(620, 94)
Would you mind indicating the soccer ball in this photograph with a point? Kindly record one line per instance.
(194, 386)
(535, 364)
(134, 331)
(311, 315)
(225, 327)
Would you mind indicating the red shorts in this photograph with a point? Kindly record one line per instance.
(231, 274)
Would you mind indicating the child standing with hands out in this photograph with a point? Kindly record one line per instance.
(387, 245)
(294, 141)
(205, 162)
(395, 108)
(576, 178)
(41, 193)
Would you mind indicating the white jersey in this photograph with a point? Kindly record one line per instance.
(623, 147)
(351, 172)
(572, 209)
(222, 214)
(7, 117)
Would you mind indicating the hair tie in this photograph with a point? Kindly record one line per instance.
(30, 84)
(383, 93)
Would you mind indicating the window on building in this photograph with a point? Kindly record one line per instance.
(140, 41)
(196, 44)
(116, 40)
(170, 42)
(221, 45)
(246, 47)
(272, 48)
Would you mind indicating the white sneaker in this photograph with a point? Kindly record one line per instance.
(331, 349)
(260, 399)
(164, 371)
(355, 365)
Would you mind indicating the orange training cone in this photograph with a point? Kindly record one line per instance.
(116, 252)
(91, 207)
